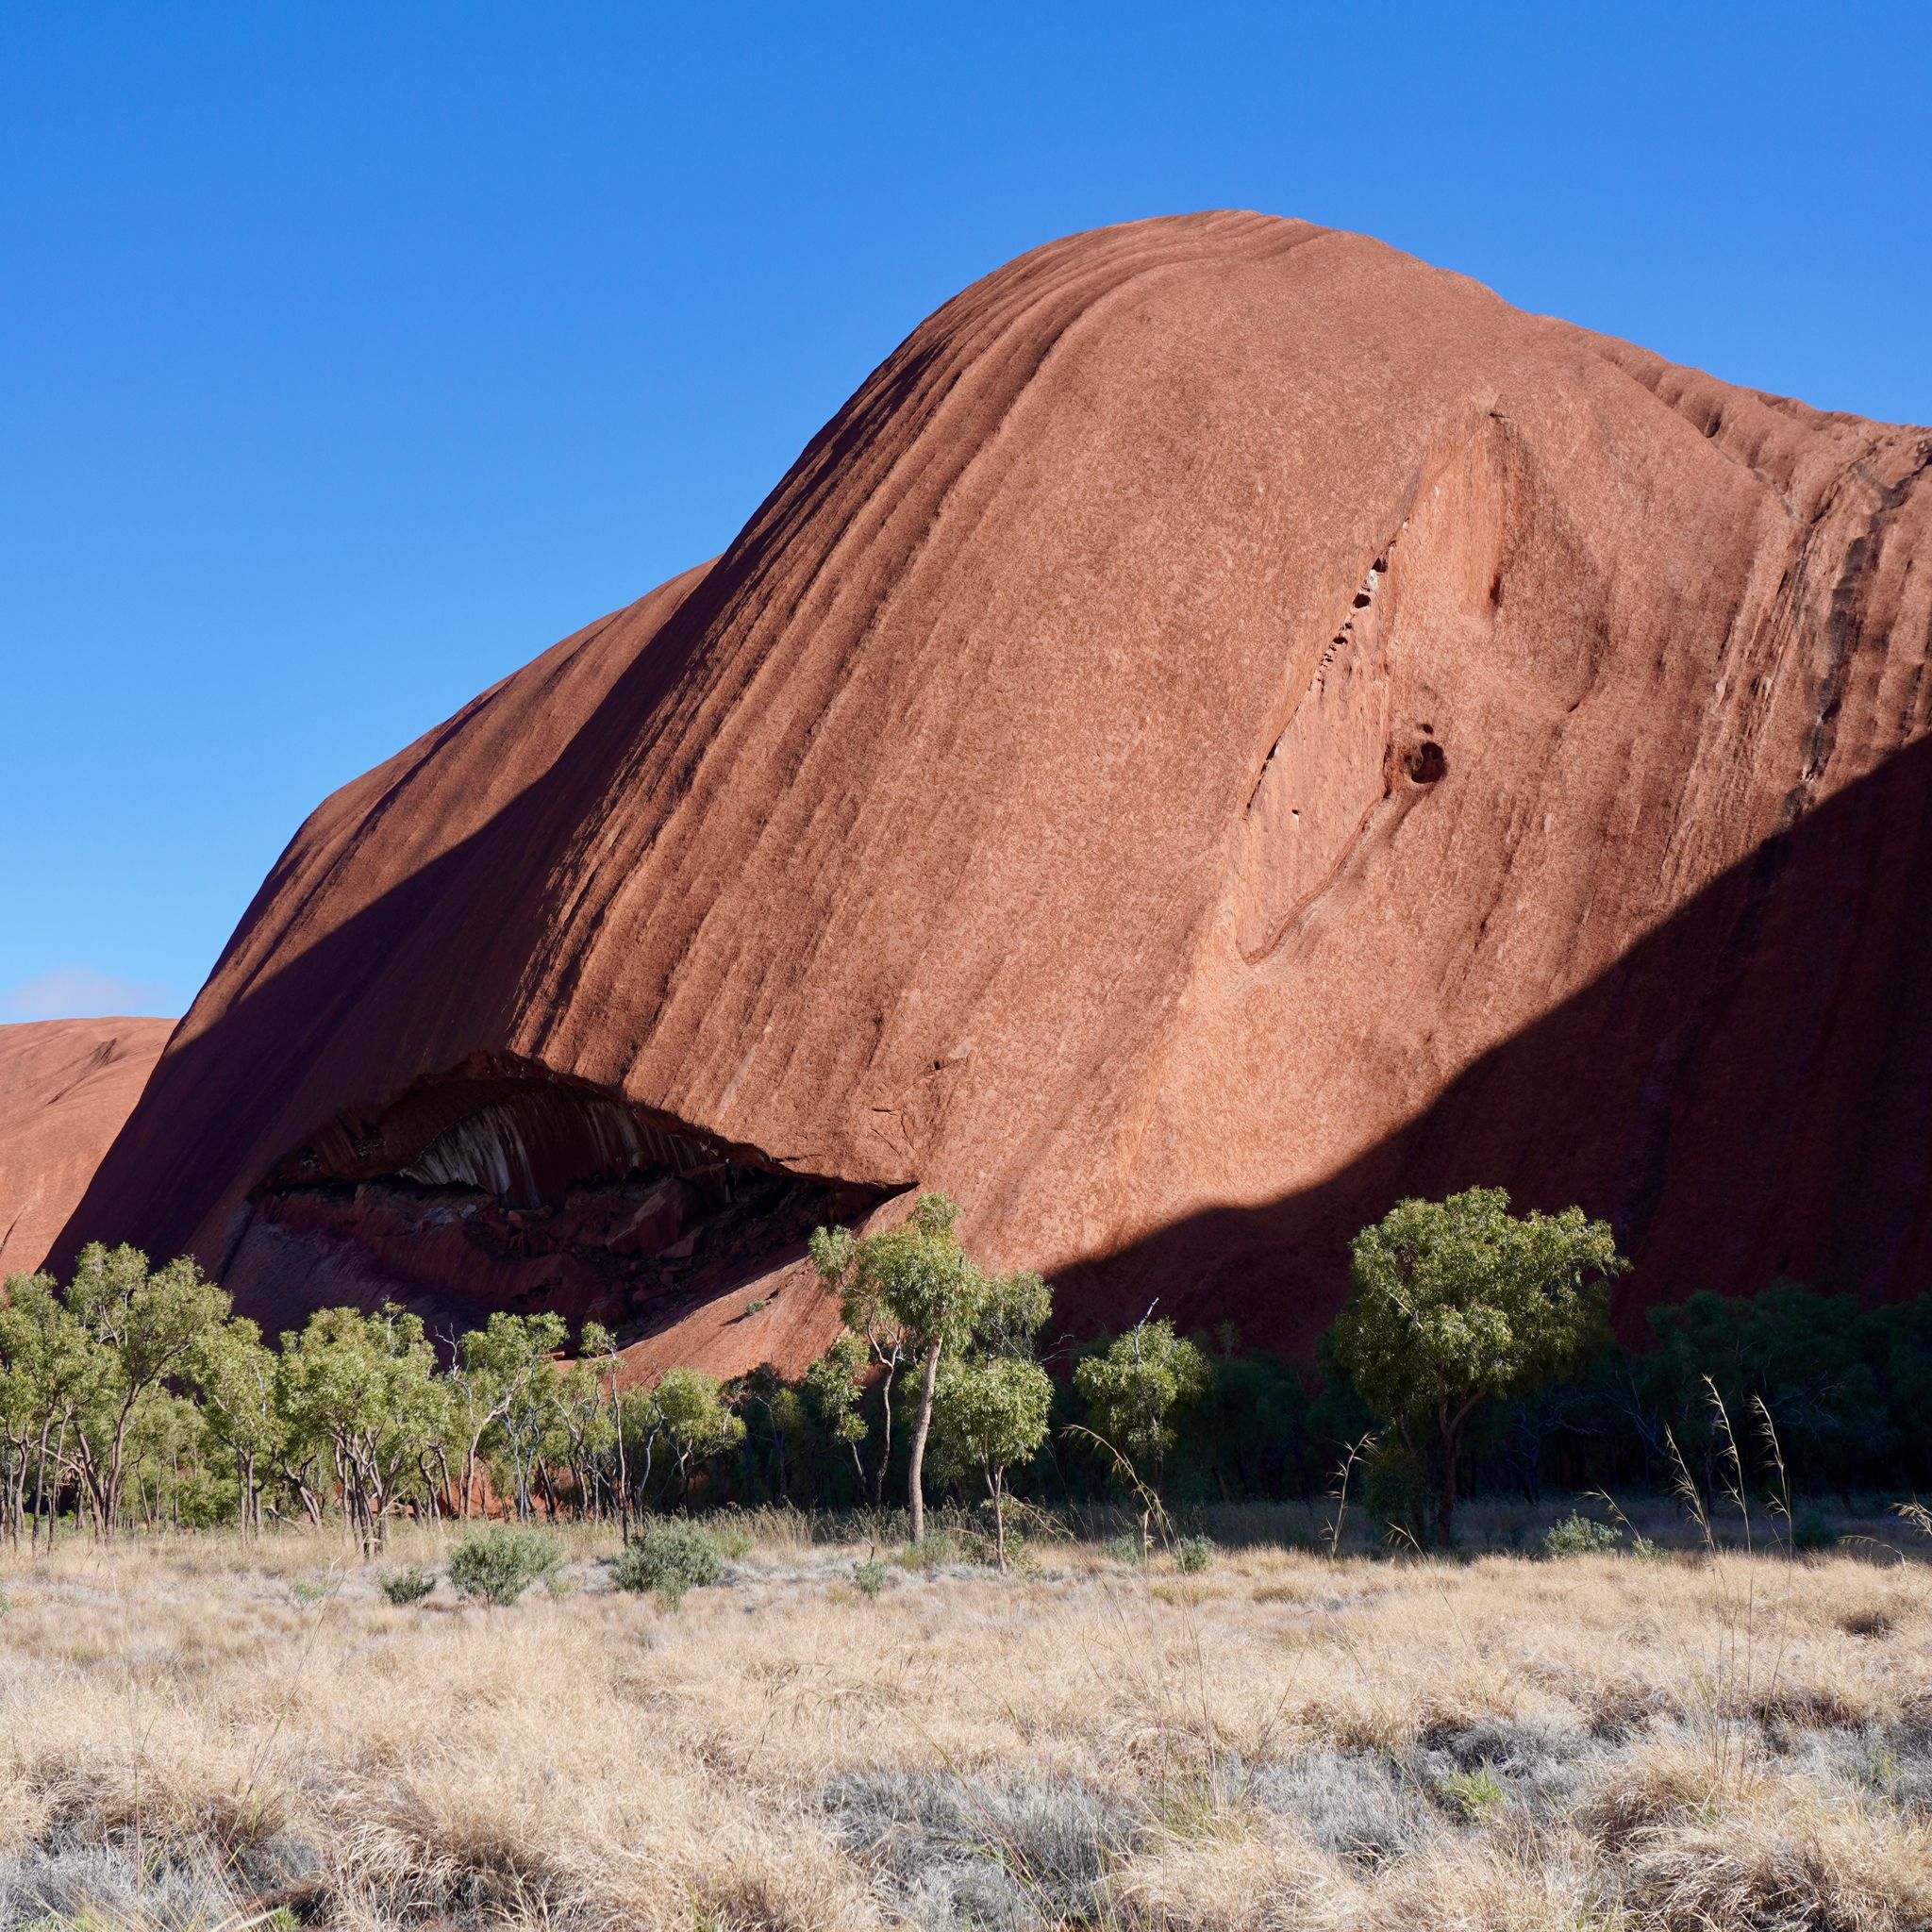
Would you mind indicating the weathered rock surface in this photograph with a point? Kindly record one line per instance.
(65, 1087)
(1228, 725)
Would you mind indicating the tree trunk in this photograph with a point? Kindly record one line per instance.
(915, 1471)
(878, 1480)
(996, 1483)
(41, 1477)
(1445, 1497)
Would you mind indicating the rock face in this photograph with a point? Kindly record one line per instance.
(1228, 726)
(65, 1087)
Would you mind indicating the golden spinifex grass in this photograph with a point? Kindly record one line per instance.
(192, 1733)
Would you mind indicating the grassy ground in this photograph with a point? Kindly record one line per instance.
(192, 1732)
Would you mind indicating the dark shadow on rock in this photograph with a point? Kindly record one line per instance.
(1747, 1093)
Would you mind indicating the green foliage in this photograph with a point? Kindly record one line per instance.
(1136, 1389)
(1577, 1535)
(914, 1295)
(1457, 1302)
(1472, 1794)
(1250, 1433)
(691, 1411)
(870, 1576)
(933, 1553)
(409, 1583)
(669, 1558)
(510, 1374)
(991, 1412)
(501, 1563)
(1126, 1549)
(1194, 1553)
(1849, 1387)
(363, 1389)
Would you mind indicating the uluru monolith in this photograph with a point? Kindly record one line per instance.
(65, 1087)
(1229, 726)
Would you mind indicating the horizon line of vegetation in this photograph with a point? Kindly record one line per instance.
(1473, 1354)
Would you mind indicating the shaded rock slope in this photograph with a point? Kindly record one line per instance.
(1218, 691)
(65, 1087)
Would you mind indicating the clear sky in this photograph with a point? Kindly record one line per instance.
(351, 354)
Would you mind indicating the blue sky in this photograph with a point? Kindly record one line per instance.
(350, 356)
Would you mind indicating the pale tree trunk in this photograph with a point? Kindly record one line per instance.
(915, 1472)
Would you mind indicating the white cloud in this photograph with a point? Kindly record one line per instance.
(72, 992)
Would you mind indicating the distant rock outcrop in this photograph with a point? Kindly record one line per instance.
(65, 1087)
(1229, 726)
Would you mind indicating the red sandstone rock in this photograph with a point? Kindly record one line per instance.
(1231, 726)
(65, 1087)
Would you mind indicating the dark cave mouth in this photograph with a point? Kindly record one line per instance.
(501, 1186)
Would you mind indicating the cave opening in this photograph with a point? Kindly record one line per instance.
(499, 1187)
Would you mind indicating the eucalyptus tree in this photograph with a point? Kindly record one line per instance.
(510, 1364)
(1134, 1389)
(235, 1372)
(138, 1329)
(694, 1421)
(365, 1386)
(916, 1296)
(1457, 1302)
(992, 1402)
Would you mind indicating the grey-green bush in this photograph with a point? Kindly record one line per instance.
(870, 1576)
(1193, 1554)
(502, 1563)
(410, 1584)
(670, 1559)
(1580, 1535)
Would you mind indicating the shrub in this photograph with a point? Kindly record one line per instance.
(939, 1548)
(1125, 1549)
(1472, 1794)
(1193, 1554)
(670, 1559)
(1580, 1535)
(410, 1584)
(870, 1576)
(502, 1563)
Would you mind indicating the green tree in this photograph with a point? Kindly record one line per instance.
(1456, 1303)
(988, 1415)
(364, 1385)
(1134, 1389)
(598, 1353)
(914, 1294)
(45, 1365)
(867, 1315)
(511, 1361)
(695, 1422)
(834, 1386)
(235, 1374)
(138, 1329)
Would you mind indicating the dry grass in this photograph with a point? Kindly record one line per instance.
(191, 1734)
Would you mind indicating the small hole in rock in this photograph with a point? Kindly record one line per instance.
(1426, 763)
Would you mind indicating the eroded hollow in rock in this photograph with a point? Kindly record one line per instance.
(1428, 762)
(500, 1187)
